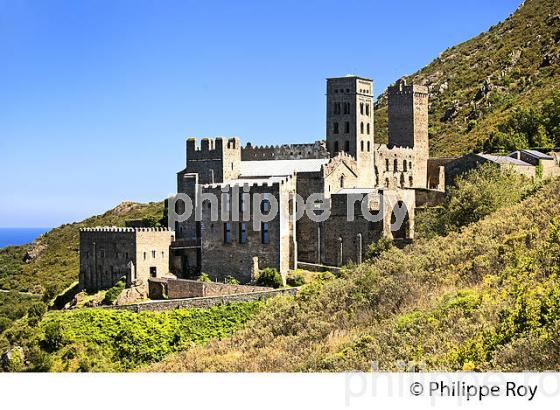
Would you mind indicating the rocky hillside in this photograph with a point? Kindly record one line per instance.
(51, 263)
(476, 85)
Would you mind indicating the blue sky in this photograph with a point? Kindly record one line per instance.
(97, 97)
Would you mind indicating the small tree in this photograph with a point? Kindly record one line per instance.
(270, 277)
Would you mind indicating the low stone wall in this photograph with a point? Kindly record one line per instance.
(203, 302)
(314, 267)
(184, 288)
(429, 198)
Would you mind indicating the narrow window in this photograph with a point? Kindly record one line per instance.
(342, 181)
(367, 110)
(145, 255)
(153, 254)
(346, 127)
(387, 182)
(265, 238)
(242, 233)
(405, 165)
(395, 165)
(347, 146)
(335, 128)
(386, 164)
(367, 128)
(362, 108)
(336, 146)
(368, 146)
(361, 128)
(362, 146)
(227, 232)
(265, 206)
(410, 180)
(410, 164)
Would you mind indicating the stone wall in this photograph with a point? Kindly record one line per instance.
(109, 253)
(315, 150)
(204, 302)
(238, 258)
(180, 289)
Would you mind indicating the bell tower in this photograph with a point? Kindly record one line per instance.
(350, 121)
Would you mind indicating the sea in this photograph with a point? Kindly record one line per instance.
(19, 236)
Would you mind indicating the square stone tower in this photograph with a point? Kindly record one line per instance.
(408, 123)
(350, 121)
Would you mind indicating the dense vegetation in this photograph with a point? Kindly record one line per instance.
(479, 85)
(482, 296)
(473, 196)
(53, 261)
(116, 340)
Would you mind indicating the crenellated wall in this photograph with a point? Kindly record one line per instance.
(315, 150)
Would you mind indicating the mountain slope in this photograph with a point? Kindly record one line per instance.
(475, 85)
(53, 260)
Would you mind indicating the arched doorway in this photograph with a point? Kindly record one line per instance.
(400, 214)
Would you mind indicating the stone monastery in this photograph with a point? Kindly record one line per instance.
(348, 163)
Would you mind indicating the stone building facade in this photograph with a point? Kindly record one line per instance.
(224, 186)
(109, 253)
(348, 165)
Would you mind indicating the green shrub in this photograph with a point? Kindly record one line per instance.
(270, 277)
(204, 277)
(36, 312)
(295, 281)
(375, 249)
(231, 280)
(113, 293)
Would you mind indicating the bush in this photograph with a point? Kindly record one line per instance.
(482, 191)
(270, 277)
(230, 280)
(113, 293)
(204, 277)
(36, 312)
(375, 249)
(295, 281)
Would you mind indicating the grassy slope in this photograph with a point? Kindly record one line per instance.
(508, 57)
(57, 264)
(345, 323)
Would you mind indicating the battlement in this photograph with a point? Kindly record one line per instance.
(210, 148)
(401, 88)
(315, 150)
(251, 183)
(121, 229)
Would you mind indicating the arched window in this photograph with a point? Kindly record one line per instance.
(387, 182)
(410, 181)
(367, 127)
(402, 180)
(404, 165)
(362, 108)
(368, 146)
(335, 128)
(362, 146)
(361, 128)
(386, 164)
(347, 146)
(395, 165)
(336, 146)
(342, 181)
(367, 110)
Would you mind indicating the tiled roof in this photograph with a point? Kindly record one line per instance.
(502, 159)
